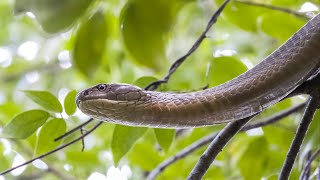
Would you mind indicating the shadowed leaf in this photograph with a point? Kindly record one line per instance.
(165, 137)
(53, 16)
(145, 29)
(90, 44)
(123, 139)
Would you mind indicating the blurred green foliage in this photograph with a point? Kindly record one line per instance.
(49, 48)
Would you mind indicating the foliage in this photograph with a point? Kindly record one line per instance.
(51, 49)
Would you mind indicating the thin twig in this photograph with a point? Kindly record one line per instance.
(53, 151)
(308, 169)
(216, 147)
(300, 134)
(74, 129)
(181, 154)
(207, 139)
(82, 141)
(306, 87)
(275, 118)
(178, 62)
(51, 168)
(304, 172)
(152, 86)
(275, 8)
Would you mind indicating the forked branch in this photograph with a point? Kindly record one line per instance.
(294, 149)
(207, 139)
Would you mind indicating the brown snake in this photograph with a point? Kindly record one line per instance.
(250, 93)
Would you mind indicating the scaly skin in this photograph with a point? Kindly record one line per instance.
(250, 93)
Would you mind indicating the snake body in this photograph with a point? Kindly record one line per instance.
(250, 93)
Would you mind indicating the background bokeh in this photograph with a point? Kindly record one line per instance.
(62, 47)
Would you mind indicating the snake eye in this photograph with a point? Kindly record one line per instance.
(102, 87)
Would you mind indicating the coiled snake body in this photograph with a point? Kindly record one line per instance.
(250, 93)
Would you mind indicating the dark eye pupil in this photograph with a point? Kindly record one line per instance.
(101, 87)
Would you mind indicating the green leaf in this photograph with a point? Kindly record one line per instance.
(123, 139)
(144, 81)
(242, 15)
(281, 138)
(24, 124)
(165, 137)
(257, 148)
(8, 110)
(48, 132)
(90, 44)
(145, 27)
(223, 69)
(144, 155)
(84, 159)
(45, 99)
(280, 25)
(69, 102)
(53, 16)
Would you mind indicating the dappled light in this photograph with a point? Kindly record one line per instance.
(180, 57)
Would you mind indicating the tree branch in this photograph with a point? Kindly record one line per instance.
(178, 62)
(300, 134)
(307, 170)
(53, 151)
(275, 118)
(152, 86)
(207, 139)
(223, 137)
(212, 151)
(215, 147)
(275, 8)
(74, 129)
(51, 169)
(203, 164)
(306, 167)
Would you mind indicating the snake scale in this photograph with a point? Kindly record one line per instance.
(250, 93)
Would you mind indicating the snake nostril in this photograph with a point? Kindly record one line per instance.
(86, 93)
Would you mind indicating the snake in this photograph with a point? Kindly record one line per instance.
(248, 94)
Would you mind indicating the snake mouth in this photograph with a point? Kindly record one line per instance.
(85, 95)
(93, 95)
(78, 102)
(90, 94)
(80, 97)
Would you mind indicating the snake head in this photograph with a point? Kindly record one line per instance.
(111, 92)
(111, 102)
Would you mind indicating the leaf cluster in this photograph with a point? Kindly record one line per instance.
(77, 44)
